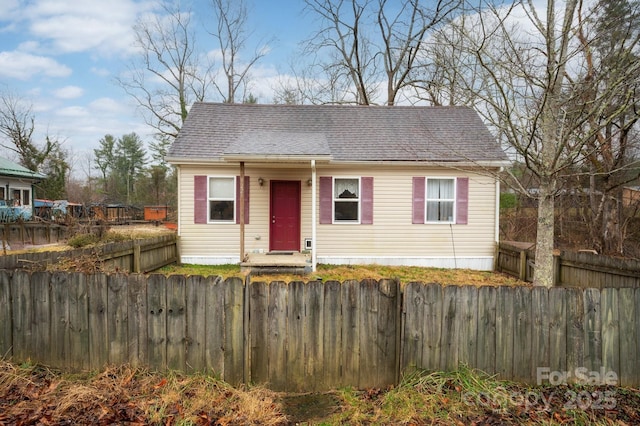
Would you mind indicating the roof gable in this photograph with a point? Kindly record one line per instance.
(340, 133)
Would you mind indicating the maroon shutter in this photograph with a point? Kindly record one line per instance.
(326, 199)
(200, 199)
(462, 200)
(418, 200)
(246, 199)
(367, 200)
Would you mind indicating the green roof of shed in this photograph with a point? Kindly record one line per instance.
(11, 169)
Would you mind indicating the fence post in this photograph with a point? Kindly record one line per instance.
(522, 270)
(136, 257)
(557, 264)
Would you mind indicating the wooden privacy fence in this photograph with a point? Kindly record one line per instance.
(315, 336)
(140, 255)
(585, 270)
(21, 233)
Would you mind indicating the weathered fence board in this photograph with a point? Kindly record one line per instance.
(78, 322)
(97, 317)
(22, 303)
(540, 329)
(504, 331)
(557, 314)
(176, 322)
(368, 339)
(117, 317)
(214, 326)
(451, 320)
(6, 314)
(234, 344)
(196, 327)
(576, 330)
(59, 322)
(610, 347)
(485, 357)
(259, 325)
(332, 337)
(432, 340)
(157, 321)
(522, 338)
(297, 336)
(277, 334)
(315, 336)
(350, 331)
(137, 315)
(629, 332)
(40, 323)
(593, 329)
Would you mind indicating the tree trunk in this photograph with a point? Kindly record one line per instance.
(543, 275)
(611, 221)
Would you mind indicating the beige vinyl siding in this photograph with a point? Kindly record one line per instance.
(213, 240)
(392, 235)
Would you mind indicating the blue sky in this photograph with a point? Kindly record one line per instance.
(62, 56)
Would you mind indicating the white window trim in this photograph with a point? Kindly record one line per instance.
(9, 197)
(209, 199)
(426, 200)
(333, 201)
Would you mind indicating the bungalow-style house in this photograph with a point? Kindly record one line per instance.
(17, 190)
(393, 185)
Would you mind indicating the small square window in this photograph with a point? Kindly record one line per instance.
(346, 200)
(222, 199)
(440, 199)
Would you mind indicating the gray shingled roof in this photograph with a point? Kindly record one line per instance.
(343, 133)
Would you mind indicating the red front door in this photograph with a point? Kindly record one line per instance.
(284, 231)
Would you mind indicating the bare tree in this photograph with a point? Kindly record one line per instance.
(375, 43)
(232, 36)
(531, 89)
(17, 125)
(169, 74)
(611, 50)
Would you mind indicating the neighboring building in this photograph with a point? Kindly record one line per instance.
(17, 192)
(351, 184)
(631, 196)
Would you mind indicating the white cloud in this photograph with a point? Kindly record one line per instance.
(90, 25)
(8, 8)
(108, 106)
(101, 72)
(68, 92)
(72, 112)
(23, 66)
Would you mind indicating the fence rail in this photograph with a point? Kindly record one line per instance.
(584, 270)
(315, 336)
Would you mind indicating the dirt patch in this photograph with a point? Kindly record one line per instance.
(309, 408)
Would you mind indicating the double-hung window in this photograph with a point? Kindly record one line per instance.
(222, 199)
(346, 200)
(440, 198)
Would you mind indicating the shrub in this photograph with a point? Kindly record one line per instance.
(508, 200)
(82, 240)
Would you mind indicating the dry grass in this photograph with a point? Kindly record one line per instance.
(125, 395)
(404, 274)
(36, 395)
